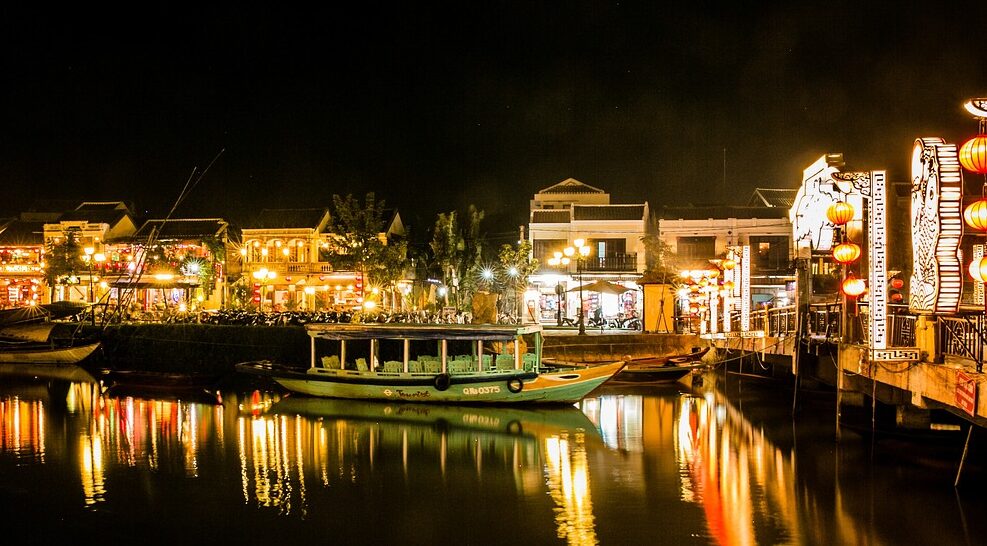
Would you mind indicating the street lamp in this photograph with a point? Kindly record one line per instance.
(263, 275)
(556, 260)
(513, 273)
(580, 252)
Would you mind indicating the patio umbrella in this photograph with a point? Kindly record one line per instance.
(603, 287)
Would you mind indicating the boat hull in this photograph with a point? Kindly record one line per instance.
(47, 354)
(478, 388)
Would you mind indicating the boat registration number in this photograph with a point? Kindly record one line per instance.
(474, 391)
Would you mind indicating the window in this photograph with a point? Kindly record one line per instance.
(769, 253)
(696, 248)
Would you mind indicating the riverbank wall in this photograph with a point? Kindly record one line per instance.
(205, 348)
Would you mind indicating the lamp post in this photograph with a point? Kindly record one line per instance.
(559, 259)
(263, 275)
(580, 252)
(88, 258)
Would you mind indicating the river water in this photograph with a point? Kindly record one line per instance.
(723, 463)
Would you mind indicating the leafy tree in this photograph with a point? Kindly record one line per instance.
(458, 253)
(663, 264)
(516, 266)
(63, 261)
(357, 231)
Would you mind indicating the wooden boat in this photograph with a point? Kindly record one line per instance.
(451, 364)
(652, 369)
(44, 353)
(149, 385)
(61, 372)
(656, 369)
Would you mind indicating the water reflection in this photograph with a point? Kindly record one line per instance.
(330, 442)
(625, 466)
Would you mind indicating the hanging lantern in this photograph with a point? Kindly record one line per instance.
(846, 253)
(973, 154)
(975, 215)
(728, 285)
(897, 283)
(840, 213)
(729, 264)
(853, 287)
(978, 269)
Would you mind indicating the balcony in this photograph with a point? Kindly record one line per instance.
(624, 263)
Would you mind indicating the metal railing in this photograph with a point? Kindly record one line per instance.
(616, 262)
(962, 336)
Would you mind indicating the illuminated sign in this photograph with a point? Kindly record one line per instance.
(937, 227)
(877, 237)
(745, 289)
(978, 287)
(808, 214)
(21, 268)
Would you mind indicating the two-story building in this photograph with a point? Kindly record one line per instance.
(92, 224)
(697, 234)
(22, 249)
(561, 215)
(178, 263)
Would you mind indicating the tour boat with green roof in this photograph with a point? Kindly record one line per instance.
(433, 363)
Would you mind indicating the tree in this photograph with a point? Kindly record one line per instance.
(662, 262)
(360, 244)
(516, 266)
(63, 260)
(458, 252)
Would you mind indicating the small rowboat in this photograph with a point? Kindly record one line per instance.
(650, 369)
(451, 364)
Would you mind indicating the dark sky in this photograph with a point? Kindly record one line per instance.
(434, 106)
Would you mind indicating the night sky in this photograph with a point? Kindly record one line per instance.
(434, 106)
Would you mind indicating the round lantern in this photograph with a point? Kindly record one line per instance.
(897, 284)
(846, 253)
(975, 215)
(973, 154)
(852, 286)
(840, 213)
(897, 297)
(728, 285)
(729, 264)
(978, 269)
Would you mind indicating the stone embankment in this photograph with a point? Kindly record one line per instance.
(203, 348)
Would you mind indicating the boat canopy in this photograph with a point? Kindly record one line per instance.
(473, 332)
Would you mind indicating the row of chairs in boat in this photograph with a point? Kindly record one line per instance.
(459, 364)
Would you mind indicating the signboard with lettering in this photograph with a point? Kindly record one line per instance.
(966, 393)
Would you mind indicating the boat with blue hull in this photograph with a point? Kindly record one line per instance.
(442, 363)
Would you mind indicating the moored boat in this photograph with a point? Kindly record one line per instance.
(443, 363)
(44, 353)
(652, 369)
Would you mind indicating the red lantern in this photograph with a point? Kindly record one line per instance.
(897, 283)
(975, 215)
(978, 269)
(853, 287)
(846, 252)
(973, 154)
(840, 213)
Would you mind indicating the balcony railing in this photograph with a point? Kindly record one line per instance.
(963, 336)
(616, 262)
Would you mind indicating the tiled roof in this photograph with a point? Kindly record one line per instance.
(182, 229)
(773, 197)
(571, 185)
(17, 232)
(551, 216)
(287, 219)
(109, 217)
(721, 212)
(608, 212)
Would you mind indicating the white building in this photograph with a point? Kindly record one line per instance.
(697, 234)
(569, 211)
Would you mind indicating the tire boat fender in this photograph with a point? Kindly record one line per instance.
(442, 381)
(515, 384)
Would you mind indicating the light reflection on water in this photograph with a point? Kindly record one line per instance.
(622, 467)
